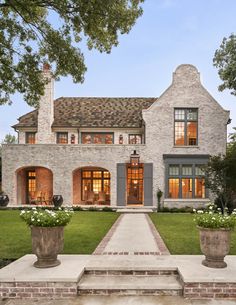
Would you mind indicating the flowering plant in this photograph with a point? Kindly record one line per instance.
(46, 218)
(213, 218)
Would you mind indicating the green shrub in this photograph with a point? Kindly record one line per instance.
(107, 209)
(77, 208)
(92, 209)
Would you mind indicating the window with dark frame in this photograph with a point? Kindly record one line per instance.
(30, 183)
(97, 138)
(62, 137)
(186, 127)
(96, 181)
(30, 137)
(186, 181)
(135, 139)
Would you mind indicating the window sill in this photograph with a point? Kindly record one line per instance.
(186, 146)
(185, 199)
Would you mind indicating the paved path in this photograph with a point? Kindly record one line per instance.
(121, 300)
(133, 234)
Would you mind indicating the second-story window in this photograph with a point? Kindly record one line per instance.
(62, 138)
(135, 139)
(97, 138)
(30, 138)
(186, 127)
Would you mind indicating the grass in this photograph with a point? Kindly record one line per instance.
(180, 234)
(82, 235)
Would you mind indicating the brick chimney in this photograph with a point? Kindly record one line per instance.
(46, 109)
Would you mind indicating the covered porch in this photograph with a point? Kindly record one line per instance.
(34, 185)
(91, 186)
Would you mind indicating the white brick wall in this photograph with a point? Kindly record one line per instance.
(45, 113)
(185, 91)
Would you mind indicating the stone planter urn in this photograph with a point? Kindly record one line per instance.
(47, 243)
(57, 200)
(215, 245)
(4, 200)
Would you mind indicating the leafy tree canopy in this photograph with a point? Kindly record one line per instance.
(9, 139)
(221, 175)
(36, 31)
(225, 61)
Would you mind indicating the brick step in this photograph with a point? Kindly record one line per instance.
(129, 285)
(131, 272)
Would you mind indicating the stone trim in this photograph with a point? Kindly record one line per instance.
(169, 272)
(30, 290)
(151, 292)
(159, 241)
(100, 248)
(131, 253)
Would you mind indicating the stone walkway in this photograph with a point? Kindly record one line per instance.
(120, 300)
(132, 234)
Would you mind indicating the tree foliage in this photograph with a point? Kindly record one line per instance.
(225, 61)
(221, 175)
(36, 31)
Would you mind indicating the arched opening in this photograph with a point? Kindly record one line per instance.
(34, 185)
(91, 186)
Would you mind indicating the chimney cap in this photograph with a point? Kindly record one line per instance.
(46, 67)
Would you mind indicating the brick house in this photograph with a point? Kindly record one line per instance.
(86, 149)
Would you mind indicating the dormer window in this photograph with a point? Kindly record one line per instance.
(186, 127)
(97, 138)
(30, 137)
(135, 139)
(62, 138)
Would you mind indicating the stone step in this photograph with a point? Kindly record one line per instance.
(140, 271)
(129, 285)
(134, 210)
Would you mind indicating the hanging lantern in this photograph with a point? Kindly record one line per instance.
(134, 159)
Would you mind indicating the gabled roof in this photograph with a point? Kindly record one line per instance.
(93, 112)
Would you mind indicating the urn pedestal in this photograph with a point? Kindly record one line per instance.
(215, 245)
(47, 243)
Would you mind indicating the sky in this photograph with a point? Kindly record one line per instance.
(169, 33)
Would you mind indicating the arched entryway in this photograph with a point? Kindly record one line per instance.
(91, 186)
(34, 185)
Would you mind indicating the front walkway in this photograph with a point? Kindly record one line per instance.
(121, 300)
(132, 248)
(132, 234)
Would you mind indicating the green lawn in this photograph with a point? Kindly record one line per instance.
(180, 233)
(82, 235)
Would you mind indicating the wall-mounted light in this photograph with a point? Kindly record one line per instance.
(72, 139)
(134, 159)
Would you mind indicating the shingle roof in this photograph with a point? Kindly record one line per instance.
(93, 112)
